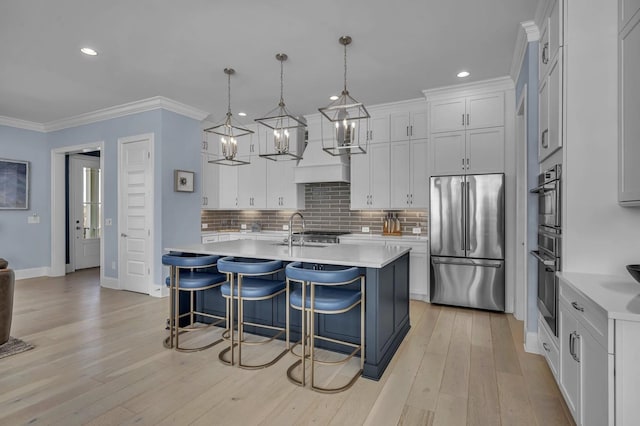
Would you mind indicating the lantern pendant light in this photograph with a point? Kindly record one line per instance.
(229, 132)
(347, 129)
(282, 128)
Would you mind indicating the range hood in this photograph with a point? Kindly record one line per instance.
(316, 165)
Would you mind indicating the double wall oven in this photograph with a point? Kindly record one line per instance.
(549, 243)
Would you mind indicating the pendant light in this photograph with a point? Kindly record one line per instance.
(282, 128)
(229, 132)
(348, 120)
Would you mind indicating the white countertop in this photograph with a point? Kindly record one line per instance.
(366, 256)
(618, 295)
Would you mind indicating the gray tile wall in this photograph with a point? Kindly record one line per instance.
(327, 208)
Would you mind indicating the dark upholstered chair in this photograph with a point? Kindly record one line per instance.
(7, 282)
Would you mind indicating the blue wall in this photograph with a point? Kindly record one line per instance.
(24, 245)
(176, 215)
(529, 76)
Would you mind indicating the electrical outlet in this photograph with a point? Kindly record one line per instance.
(365, 229)
(205, 225)
(243, 226)
(285, 227)
(108, 222)
(34, 218)
(113, 265)
(417, 230)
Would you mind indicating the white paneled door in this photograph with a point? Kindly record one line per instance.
(136, 213)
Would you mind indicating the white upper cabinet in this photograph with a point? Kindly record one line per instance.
(470, 112)
(550, 110)
(468, 152)
(370, 178)
(409, 124)
(379, 127)
(228, 189)
(409, 178)
(551, 37)
(209, 185)
(629, 101)
(282, 192)
(251, 177)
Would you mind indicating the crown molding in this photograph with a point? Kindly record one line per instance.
(22, 124)
(477, 87)
(527, 33)
(144, 105)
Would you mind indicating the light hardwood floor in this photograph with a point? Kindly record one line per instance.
(99, 360)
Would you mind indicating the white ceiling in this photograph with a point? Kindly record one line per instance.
(178, 49)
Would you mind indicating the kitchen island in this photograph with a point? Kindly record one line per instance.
(386, 271)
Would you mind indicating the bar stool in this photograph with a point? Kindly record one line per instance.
(324, 298)
(252, 284)
(188, 273)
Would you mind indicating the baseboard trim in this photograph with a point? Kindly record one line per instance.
(159, 291)
(531, 343)
(24, 274)
(419, 296)
(108, 282)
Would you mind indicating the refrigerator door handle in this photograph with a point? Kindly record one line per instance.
(453, 262)
(463, 218)
(466, 213)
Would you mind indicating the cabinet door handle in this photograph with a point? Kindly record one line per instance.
(545, 142)
(463, 164)
(467, 164)
(407, 130)
(577, 307)
(572, 348)
(467, 119)
(462, 120)
(571, 345)
(411, 199)
(545, 345)
(411, 130)
(545, 53)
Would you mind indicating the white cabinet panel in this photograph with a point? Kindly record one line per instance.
(448, 155)
(379, 176)
(209, 184)
(472, 112)
(569, 366)
(409, 178)
(485, 150)
(282, 192)
(379, 124)
(593, 381)
(550, 111)
(485, 111)
(360, 194)
(629, 98)
(228, 189)
(407, 125)
(447, 115)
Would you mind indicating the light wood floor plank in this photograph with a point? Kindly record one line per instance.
(99, 360)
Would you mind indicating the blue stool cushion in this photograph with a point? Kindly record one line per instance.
(254, 287)
(248, 266)
(332, 274)
(326, 298)
(195, 279)
(188, 260)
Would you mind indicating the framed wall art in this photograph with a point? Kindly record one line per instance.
(182, 181)
(14, 184)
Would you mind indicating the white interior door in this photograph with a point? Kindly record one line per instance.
(85, 211)
(136, 214)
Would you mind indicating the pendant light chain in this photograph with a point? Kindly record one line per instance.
(345, 68)
(229, 94)
(281, 83)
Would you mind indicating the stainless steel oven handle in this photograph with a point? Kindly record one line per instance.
(545, 262)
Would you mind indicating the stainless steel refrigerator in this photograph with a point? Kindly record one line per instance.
(467, 240)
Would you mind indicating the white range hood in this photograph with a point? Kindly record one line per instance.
(317, 165)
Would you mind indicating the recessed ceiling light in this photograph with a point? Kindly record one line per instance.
(242, 114)
(463, 74)
(88, 51)
(334, 97)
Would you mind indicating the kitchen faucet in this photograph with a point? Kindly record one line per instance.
(291, 228)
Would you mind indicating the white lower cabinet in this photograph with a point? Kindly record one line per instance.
(549, 345)
(599, 336)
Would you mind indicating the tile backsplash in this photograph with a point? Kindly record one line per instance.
(327, 209)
